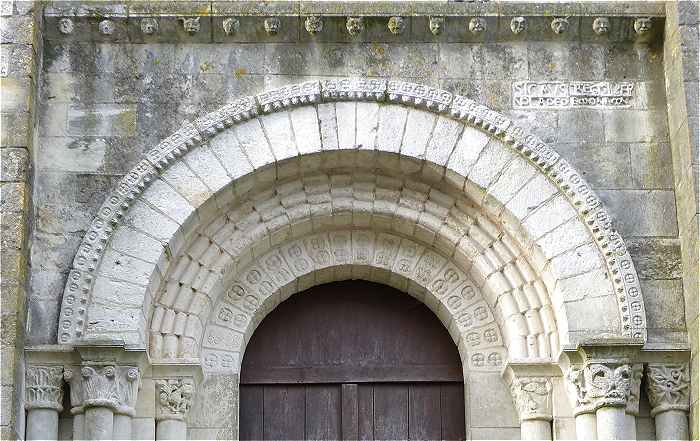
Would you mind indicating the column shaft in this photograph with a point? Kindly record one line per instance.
(78, 426)
(42, 424)
(671, 425)
(122, 426)
(610, 422)
(629, 426)
(171, 430)
(99, 423)
(586, 426)
(536, 430)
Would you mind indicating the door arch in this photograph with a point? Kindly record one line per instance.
(351, 360)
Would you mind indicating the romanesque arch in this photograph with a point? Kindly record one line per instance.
(224, 193)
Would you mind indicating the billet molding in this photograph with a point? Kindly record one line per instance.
(620, 268)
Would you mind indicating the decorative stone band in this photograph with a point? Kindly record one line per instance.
(44, 387)
(110, 386)
(620, 268)
(174, 398)
(532, 397)
(668, 387)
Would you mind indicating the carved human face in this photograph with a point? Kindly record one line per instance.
(272, 25)
(230, 25)
(313, 24)
(396, 25)
(106, 27)
(518, 25)
(436, 24)
(601, 25)
(65, 26)
(354, 25)
(642, 25)
(477, 25)
(191, 24)
(149, 26)
(560, 25)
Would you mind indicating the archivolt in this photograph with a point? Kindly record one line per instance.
(567, 236)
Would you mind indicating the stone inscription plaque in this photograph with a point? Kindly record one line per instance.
(557, 94)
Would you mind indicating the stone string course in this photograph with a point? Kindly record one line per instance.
(79, 288)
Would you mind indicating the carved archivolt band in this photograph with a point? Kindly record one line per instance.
(44, 387)
(78, 291)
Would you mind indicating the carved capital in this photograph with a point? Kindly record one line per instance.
(608, 385)
(109, 386)
(577, 390)
(532, 397)
(44, 387)
(174, 398)
(75, 380)
(668, 386)
(635, 387)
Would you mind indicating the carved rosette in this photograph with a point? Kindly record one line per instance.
(174, 398)
(608, 385)
(668, 387)
(533, 398)
(44, 388)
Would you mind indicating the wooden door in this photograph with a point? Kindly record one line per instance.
(351, 360)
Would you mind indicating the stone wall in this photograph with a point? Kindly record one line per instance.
(20, 58)
(681, 71)
(103, 101)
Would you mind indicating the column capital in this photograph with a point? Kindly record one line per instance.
(668, 387)
(174, 398)
(44, 387)
(606, 384)
(532, 397)
(103, 385)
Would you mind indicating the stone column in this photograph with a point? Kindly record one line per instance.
(43, 401)
(128, 382)
(533, 401)
(173, 403)
(76, 401)
(669, 395)
(632, 408)
(584, 410)
(609, 387)
(108, 399)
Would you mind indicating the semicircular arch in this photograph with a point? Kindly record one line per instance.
(448, 139)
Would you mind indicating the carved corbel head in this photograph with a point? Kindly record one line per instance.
(601, 25)
(231, 25)
(149, 25)
(191, 24)
(518, 25)
(272, 25)
(313, 24)
(436, 24)
(354, 25)
(396, 25)
(106, 27)
(477, 25)
(560, 25)
(65, 26)
(642, 25)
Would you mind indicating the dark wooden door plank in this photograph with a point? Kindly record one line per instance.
(283, 412)
(452, 411)
(349, 411)
(424, 412)
(391, 411)
(251, 412)
(323, 409)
